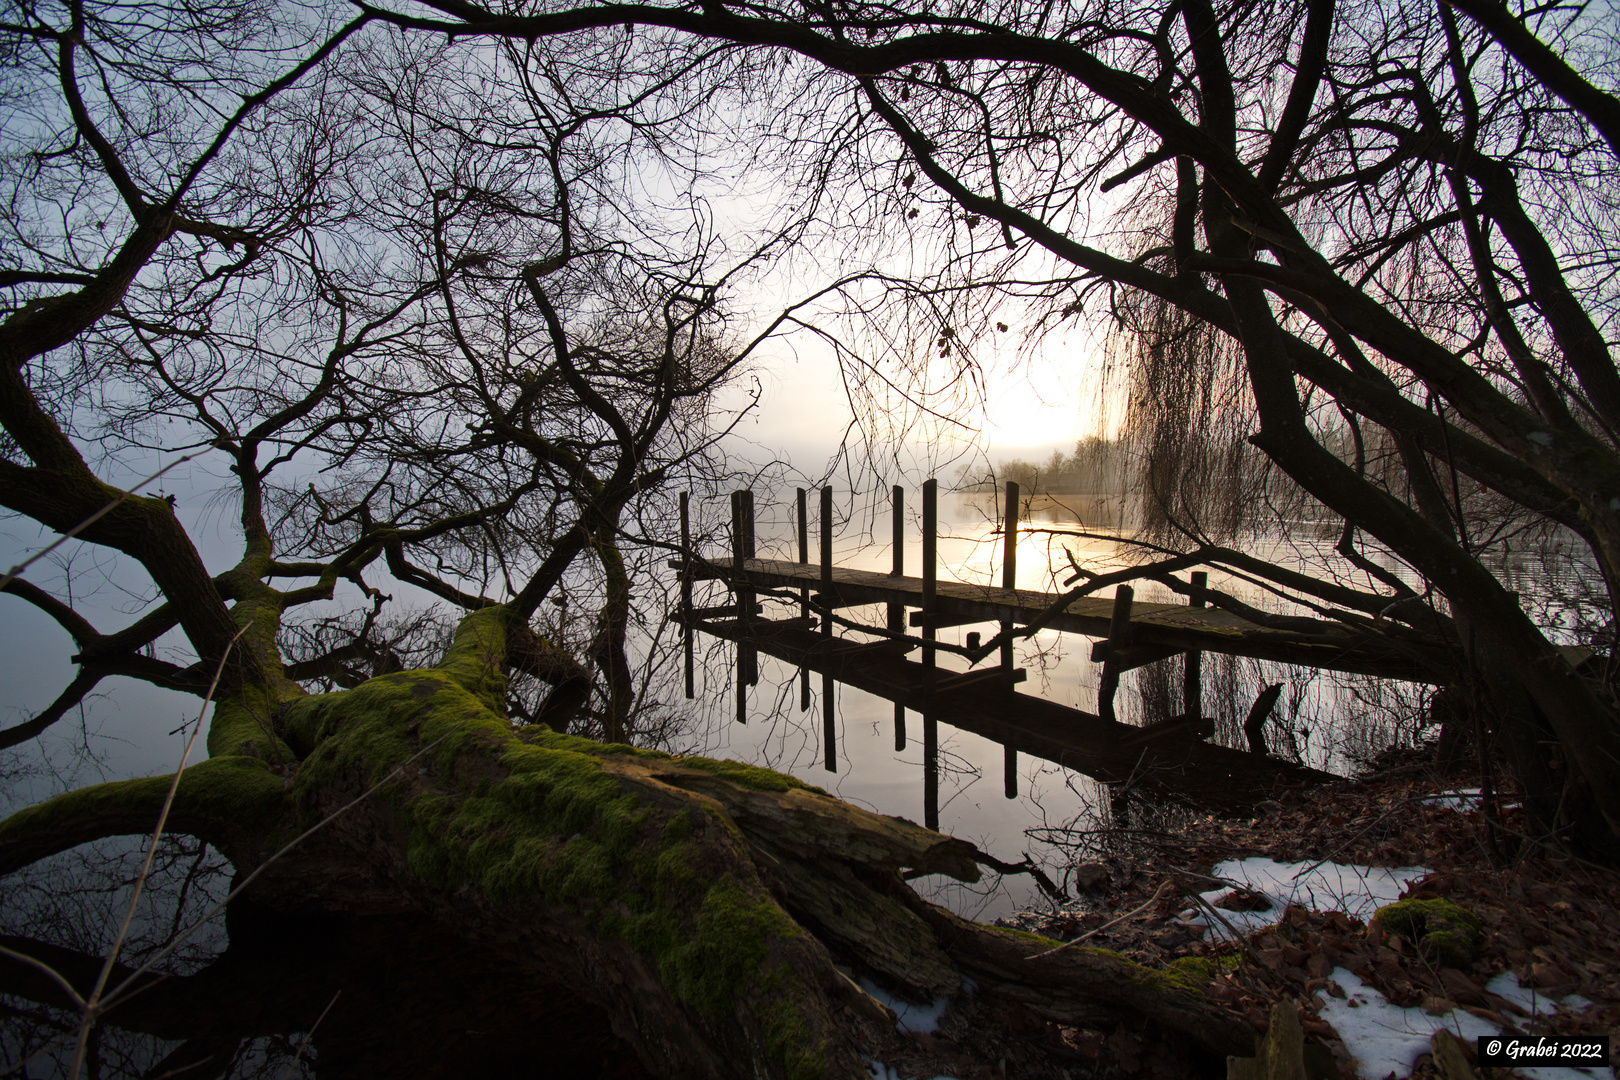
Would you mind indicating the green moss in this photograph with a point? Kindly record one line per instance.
(748, 776)
(1444, 932)
(476, 660)
(1450, 948)
(216, 798)
(556, 825)
(787, 1036)
(244, 725)
(1024, 935)
(538, 813)
(726, 948)
(561, 826)
(1197, 972)
(1189, 973)
(259, 610)
(626, 750)
(542, 736)
(1412, 918)
(378, 725)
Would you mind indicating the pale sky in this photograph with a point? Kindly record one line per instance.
(1034, 404)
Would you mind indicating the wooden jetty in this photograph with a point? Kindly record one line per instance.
(1157, 631)
(1169, 758)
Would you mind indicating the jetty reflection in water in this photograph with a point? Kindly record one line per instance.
(871, 768)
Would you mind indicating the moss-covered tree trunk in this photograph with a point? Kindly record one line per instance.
(708, 913)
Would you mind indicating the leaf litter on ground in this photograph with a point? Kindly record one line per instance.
(1300, 881)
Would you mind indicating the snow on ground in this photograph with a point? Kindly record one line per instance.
(1385, 1038)
(909, 1017)
(1463, 800)
(1506, 985)
(1358, 891)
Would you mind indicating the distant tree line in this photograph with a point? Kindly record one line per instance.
(1098, 466)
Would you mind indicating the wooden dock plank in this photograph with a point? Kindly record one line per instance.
(1177, 626)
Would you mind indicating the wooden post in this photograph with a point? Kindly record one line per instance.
(736, 547)
(897, 612)
(899, 526)
(1009, 562)
(742, 549)
(804, 592)
(1009, 580)
(1119, 632)
(686, 592)
(742, 542)
(740, 673)
(804, 527)
(1192, 683)
(748, 527)
(749, 552)
(930, 584)
(930, 572)
(1254, 725)
(829, 732)
(826, 557)
(930, 773)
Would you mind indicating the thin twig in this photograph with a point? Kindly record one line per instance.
(45, 969)
(90, 1008)
(1163, 885)
(308, 1035)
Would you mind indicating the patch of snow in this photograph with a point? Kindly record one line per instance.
(910, 1018)
(1358, 891)
(1385, 1038)
(1506, 986)
(1464, 800)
